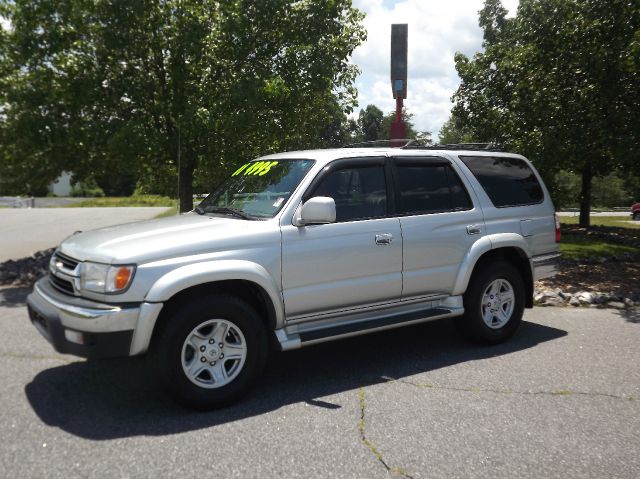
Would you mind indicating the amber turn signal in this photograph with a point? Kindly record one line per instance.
(123, 274)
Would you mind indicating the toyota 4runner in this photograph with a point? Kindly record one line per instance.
(303, 247)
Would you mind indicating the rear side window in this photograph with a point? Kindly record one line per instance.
(430, 188)
(507, 181)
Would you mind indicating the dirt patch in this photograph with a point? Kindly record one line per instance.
(617, 275)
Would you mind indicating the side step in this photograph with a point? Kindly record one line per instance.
(345, 330)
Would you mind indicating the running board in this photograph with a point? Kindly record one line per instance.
(330, 333)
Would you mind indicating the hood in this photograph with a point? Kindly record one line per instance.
(162, 238)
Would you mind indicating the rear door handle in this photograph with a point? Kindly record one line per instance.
(474, 229)
(384, 239)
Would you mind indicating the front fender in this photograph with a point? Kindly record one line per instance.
(192, 275)
(207, 272)
(480, 247)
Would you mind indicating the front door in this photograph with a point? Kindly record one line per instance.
(350, 263)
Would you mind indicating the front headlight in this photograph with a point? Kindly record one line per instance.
(103, 278)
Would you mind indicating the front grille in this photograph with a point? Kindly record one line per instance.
(62, 285)
(68, 263)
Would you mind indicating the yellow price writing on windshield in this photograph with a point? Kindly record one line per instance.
(259, 168)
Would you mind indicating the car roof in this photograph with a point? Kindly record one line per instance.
(326, 155)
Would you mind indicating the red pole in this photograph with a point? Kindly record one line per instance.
(397, 127)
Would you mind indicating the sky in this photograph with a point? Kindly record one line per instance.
(437, 29)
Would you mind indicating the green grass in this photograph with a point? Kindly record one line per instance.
(618, 221)
(580, 247)
(141, 200)
(173, 211)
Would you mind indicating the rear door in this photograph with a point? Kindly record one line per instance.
(516, 200)
(439, 223)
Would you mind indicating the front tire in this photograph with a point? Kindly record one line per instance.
(210, 351)
(636, 215)
(493, 303)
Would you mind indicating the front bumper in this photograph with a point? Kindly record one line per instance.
(546, 265)
(81, 327)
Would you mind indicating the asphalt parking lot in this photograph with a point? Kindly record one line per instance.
(25, 231)
(562, 399)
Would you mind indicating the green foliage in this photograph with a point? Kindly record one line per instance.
(560, 83)
(87, 188)
(410, 130)
(374, 125)
(370, 124)
(454, 131)
(632, 186)
(607, 191)
(564, 187)
(101, 87)
(119, 183)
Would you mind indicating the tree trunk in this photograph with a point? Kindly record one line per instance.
(185, 182)
(585, 196)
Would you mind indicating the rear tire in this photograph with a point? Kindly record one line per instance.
(493, 303)
(636, 215)
(210, 351)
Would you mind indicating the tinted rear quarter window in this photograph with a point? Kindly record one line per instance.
(507, 181)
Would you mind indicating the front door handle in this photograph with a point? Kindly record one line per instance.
(384, 239)
(474, 229)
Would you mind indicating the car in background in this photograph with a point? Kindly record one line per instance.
(635, 211)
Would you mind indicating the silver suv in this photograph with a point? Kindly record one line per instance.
(300, 248)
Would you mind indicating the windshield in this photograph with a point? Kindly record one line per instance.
(258, 189)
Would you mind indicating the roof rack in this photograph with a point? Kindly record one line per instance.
(456, 146)
(381, 143)
(420, 144)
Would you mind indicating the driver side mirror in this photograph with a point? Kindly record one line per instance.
(317, 210)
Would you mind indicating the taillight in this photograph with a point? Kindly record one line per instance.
(558, 234)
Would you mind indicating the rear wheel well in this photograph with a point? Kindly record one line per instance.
(252, 293)
(518, 258)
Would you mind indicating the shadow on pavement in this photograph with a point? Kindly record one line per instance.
(14, 297)
(111, 399)
(630, 315)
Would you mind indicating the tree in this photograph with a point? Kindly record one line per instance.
(373, 125)
(453, 131)
(410, 129)
(175, 87)
(560, 82)
(370, 124)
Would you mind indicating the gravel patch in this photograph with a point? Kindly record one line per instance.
(25, 271)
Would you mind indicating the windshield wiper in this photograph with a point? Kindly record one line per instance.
(226, 210)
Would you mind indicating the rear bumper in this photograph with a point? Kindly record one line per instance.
(546, 265)
(81, 327)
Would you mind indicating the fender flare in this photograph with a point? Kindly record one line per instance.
(211, 271)
(482, 246)
(199, 273)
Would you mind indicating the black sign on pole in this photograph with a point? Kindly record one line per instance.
(399, 41)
